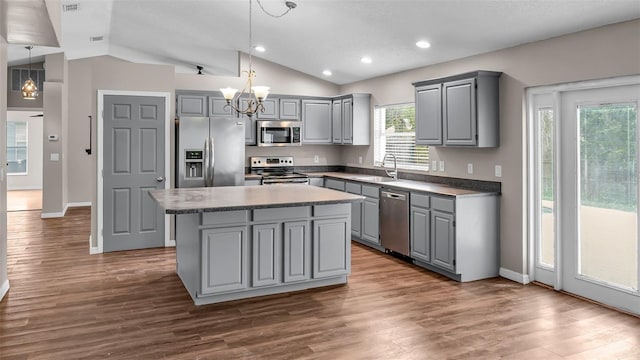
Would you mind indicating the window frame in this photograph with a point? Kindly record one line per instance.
(26, 147)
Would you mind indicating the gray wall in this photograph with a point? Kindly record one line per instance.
(4, 280)
(608, 51)
(33, 178)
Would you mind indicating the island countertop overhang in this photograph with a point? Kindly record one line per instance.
(225, 198)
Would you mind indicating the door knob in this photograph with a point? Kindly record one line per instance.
(160, 179)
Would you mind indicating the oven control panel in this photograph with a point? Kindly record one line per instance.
(270, 161)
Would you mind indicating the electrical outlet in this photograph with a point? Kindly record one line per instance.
(434, 165)
(498, 170)
(359, 159)
(316, 159)
(470, 168)
(441, 165)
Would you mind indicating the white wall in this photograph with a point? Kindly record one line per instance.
(608, 51)
(33, 178)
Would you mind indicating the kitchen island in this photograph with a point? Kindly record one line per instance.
(238, 242)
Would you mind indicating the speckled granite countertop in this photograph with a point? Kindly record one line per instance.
(195, 200)
(402, 184)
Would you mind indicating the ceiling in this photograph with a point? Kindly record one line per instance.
(318, 34)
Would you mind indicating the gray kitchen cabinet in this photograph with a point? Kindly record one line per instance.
(420, 231)
(218, 107)
(192, 105)
(251, 182)
(271, 109)
(316, 121)
(356, 209)
(225, 260)
(331, 250)
(443, 240)
(334, 184)
(316, 181)
(297, 251)
(468, 109)
(429, 113)
(289, 109)
(249, 124)
(371, 215)
(351, 119)
(266, 244)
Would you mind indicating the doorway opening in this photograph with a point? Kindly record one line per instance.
(24, 145)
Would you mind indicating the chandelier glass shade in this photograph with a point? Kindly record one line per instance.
(29, 89)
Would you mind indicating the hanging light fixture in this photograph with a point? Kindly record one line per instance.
(29, 89)
(251, 99)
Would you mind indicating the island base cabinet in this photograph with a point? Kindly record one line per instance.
(224, 259)
(266, 255)
(297, 251)
(331, 248)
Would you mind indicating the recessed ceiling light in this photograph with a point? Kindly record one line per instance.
(366, 60)
(423, 44)
(327, 73)
(260, 48)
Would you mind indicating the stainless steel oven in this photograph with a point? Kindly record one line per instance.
(276, 170)
(279, 133)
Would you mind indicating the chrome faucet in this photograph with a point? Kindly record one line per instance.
(394, 173)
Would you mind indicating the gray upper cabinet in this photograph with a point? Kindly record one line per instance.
(271, 109)
(249, 125)
(289, 109)
(467, 106)
(218, 107)
(316, 121)
(192, 105)
(429, 111)
(351, 118)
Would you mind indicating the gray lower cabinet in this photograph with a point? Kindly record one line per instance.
(316, 121)
(266, 244)
(331, 250)
(316, 182)
(224, 260)
(371, 214)
(420, 233)
(356, 209)
(443, 240)
(334, 184)
(297, 251)
(192, 105)
(251, 182)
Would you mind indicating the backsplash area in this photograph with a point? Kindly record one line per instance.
(302, 155)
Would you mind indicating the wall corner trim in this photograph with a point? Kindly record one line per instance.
(94, 249)
(4, 289)
(514, 276)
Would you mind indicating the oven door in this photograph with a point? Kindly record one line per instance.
(278, 133)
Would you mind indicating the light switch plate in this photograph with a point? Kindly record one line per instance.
(434, 165)
(54, 157)
(441, 165)
(316, 159)
(498, 170)
(470, 168)
(359, 159)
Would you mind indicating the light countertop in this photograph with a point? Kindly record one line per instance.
(402, 184)
(223, 198)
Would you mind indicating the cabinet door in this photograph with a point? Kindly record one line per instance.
(225, 260)
(271, 109)
(356, 209)
(316, 182)
(297, 251)
(249, 124)
(442, 240)
(289, 109)
(331, 248)
(429, 115)
(218, 107)
(336, 122)
(316, 121)
(334, 184)
(347, 121)
(192, 105)
(370, 220)
(459, 112)
(266, 252)
(420, 233)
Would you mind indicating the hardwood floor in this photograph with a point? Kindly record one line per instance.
(21, 200)
(67, 304)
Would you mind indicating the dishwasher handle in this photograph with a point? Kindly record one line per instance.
(395, 196)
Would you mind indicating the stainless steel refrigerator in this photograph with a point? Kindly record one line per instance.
(210, 152)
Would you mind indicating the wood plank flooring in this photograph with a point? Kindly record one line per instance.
(67, 304)
(21, 200)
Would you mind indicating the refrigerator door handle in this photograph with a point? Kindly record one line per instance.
(212, 159)
(205, 167)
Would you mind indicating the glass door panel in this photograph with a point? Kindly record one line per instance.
(546, 212)
(608, 199)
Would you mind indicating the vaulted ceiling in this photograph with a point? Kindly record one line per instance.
(318, 34)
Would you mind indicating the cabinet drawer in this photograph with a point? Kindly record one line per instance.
(298, 212)
(420, 200)
(371, 191)
(443, 204)
(334, 184)
(224, 217)
(353, 188)
(331, 210)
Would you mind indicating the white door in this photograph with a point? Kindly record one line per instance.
(599, 195)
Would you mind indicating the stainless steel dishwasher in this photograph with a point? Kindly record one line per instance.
(394, 220)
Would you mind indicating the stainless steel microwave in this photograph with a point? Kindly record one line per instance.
(279, 133)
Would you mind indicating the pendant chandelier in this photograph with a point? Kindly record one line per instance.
(251, 99)
(29, 89)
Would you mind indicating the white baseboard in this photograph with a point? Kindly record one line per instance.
(4, 289)
(53, 215)
(514, 276)
(33, 187)
(79, 204)
(170, 243)
(64, 211)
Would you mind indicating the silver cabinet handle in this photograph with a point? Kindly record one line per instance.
(160, 179)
